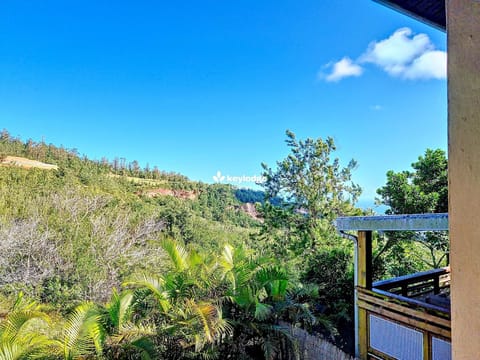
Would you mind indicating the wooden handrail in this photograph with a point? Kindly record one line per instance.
(406, 311)
(411, 279)
(411, 288)
(412, 302)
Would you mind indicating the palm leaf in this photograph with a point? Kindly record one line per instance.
(226, 260)
(146, 348)
(207, 318)
(17, 321)
(207, 314)
(119, 307)
(244, 297)
(22, 331)
(155, 284)
(10, 351)
(83, 334)
(131, 332)
(262, 311)
(178, 255)
(267, 275)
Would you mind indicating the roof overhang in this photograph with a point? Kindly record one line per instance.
(431, 12)
(413, 222)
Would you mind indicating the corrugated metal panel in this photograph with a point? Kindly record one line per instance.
(441, 349)
(395, 340)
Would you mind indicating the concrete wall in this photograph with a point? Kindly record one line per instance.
(463, 25)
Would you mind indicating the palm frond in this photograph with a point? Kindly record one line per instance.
(119, 307)
(17, 321)
(155, 284)
(146, 347)
(177, 253)
(262, 311)
(10, 351)
(244, 297)
(131, 332)
(23, 331)
(267, 275)
(226, 260)
(207, 314)
(83, 334)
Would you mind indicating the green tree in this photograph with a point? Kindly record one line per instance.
(214, 305)
(188, 316)
(421, 190)
(263, 304)
(312, 180)
(300, 232)
(317, 189)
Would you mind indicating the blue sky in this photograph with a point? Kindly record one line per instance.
(196, 87)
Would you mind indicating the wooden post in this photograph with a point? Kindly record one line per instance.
(436, 284)
(364, 273)
(464, 173)
(427, 346)
(365, 259)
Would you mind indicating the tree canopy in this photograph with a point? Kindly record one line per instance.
(312, 180)
(424, 189)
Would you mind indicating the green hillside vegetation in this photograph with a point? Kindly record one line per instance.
(81, 230)
(104, 259)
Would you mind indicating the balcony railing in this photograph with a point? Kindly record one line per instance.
(408, 317)
(430, 289)
(402, 318)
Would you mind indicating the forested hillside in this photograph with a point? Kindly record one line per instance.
(86, 225)
(104, 259)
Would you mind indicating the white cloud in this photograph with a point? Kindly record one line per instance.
(399, 49)
(402, 54)
(407, 56)
(376, 107)
(342, 69)
(430, 65)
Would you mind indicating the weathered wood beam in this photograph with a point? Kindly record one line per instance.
(364, 273)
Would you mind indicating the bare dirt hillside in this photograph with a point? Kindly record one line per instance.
(26, 163)
(137, 180)
(251, 210)
(181, 194)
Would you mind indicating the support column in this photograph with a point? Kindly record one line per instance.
(364, 280)
(463, 25)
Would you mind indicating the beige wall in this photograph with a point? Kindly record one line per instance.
(463, 26)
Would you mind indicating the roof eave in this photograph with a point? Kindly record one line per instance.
(412, 13)
(405, 222)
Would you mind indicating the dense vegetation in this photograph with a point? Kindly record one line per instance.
(121, 262)
(423, 190)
